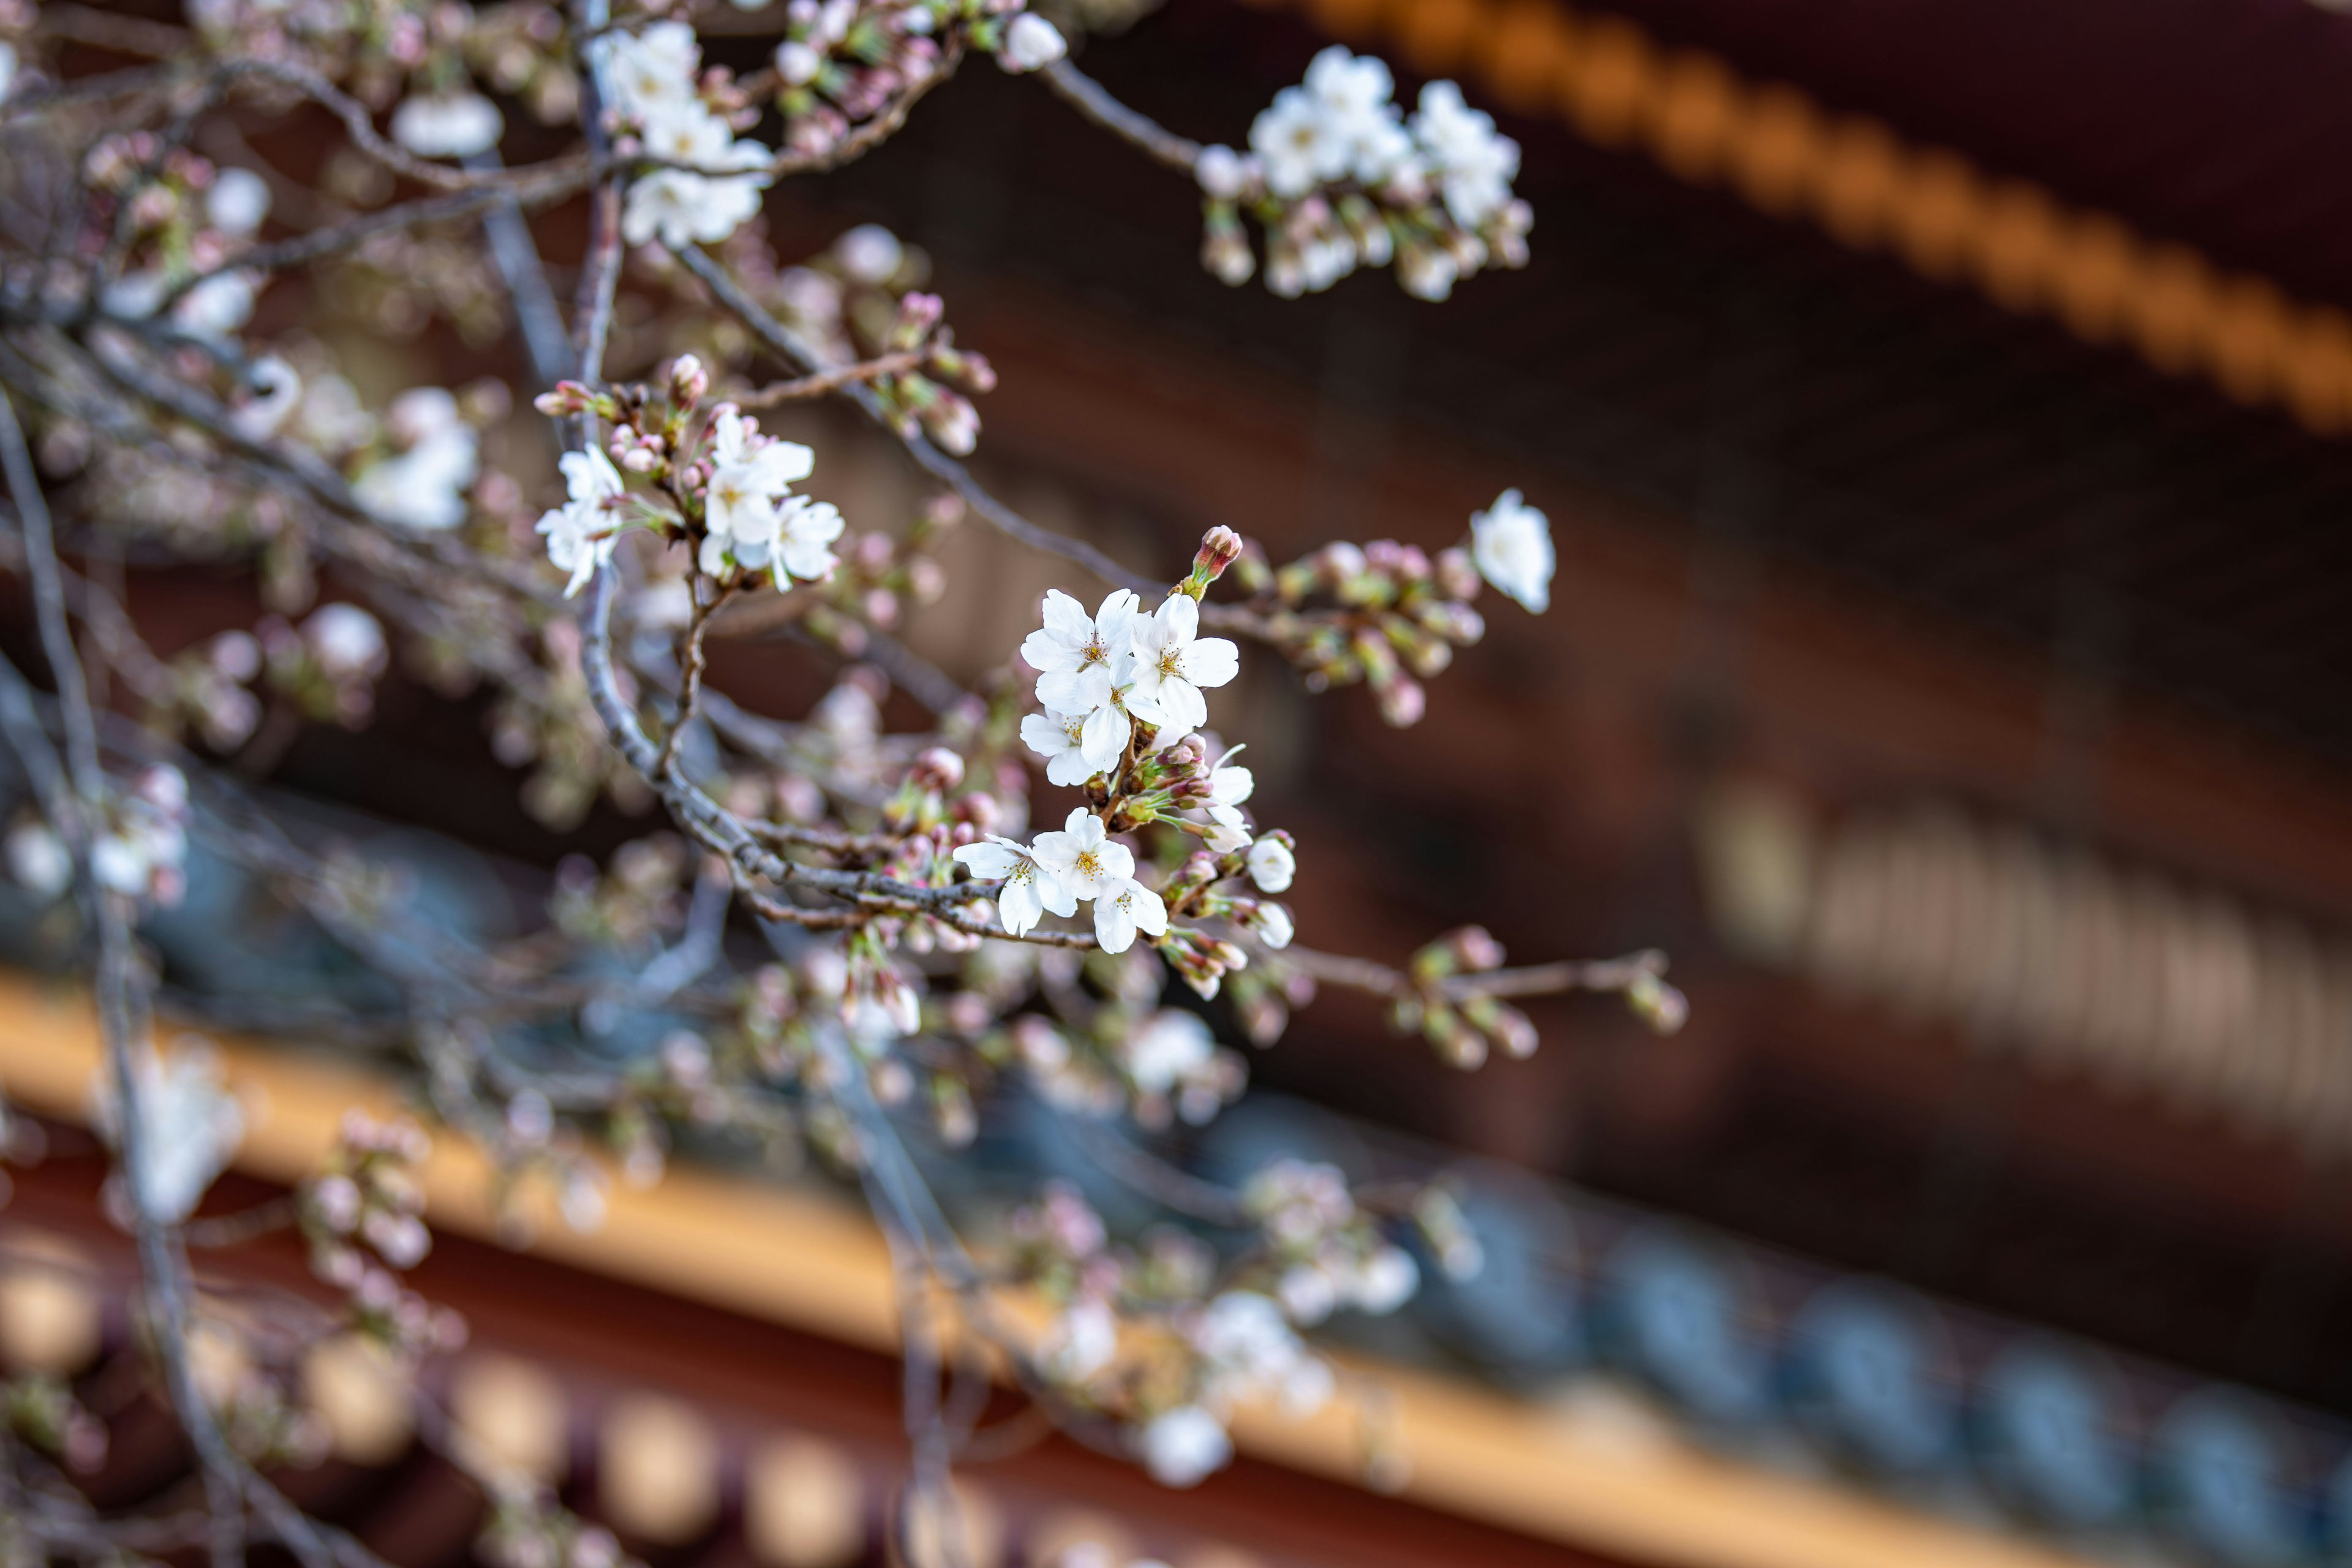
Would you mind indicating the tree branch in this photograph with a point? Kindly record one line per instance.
(1090, 98)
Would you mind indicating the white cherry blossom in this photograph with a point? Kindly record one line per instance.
(1078, 745)
(1387, 1280)
(870, 253)
(1474, 165)
(1252, 1348)
(1031, 43)
(1084, 856)
(191, 1126)
(37, 859)
(1297, 143)
(698, 205)
(1081, 1342)
(1185, 1445)
(797, 63)
(805, 531)
(276, 393)
(747, 517)
(739, 503)
(1031, 891)
(1071, 643)
(1123, 907)
(1172, 1047)
(1511, 543)
(237, 202)
(653, 69)
(774, 465)
(1229, 786)
(1223, 173)
(425, 487)
(1352, 92)
(582, 532)
(1173, 663)
(346, 641)
(1271, 866)
(216, 307)
(447, 125)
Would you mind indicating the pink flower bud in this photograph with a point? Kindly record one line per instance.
(1220, 548)
(688, 381)
(937, 769)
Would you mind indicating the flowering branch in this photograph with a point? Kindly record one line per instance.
(929, 944)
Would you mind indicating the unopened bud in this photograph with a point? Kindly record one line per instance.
(1508, 1028)
(1403, 701)
(918, 313)
(1475, 948)
(1220, 548)
(1225, 254)
(1457, 574)
(688, 381)
(937, 769)
(1657, 1003)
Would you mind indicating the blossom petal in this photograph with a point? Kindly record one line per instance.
(990, 862)
(1211, 661)
(1104, 740)
(1018, 906)
(1055, 894)
(1042, 733)
(1113, 926)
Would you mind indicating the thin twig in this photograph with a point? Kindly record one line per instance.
(690, 690)
(824, 382)
(1604, 974)
(1090, 98)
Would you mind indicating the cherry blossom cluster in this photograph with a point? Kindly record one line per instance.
(169, 215)
(709, 182)
(137, 849)
(1121, 693)
(1167, 1340)
(1392, 615)
(1339, 178)
(362, 1217)
(723, 486)
(326, 668)
(843, 62)
(197, 1123)
(416, 470)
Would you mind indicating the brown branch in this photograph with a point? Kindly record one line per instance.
(689, 689)
(1604, 974)
(824, 382)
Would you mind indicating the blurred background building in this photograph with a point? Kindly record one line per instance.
(1940, 409)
